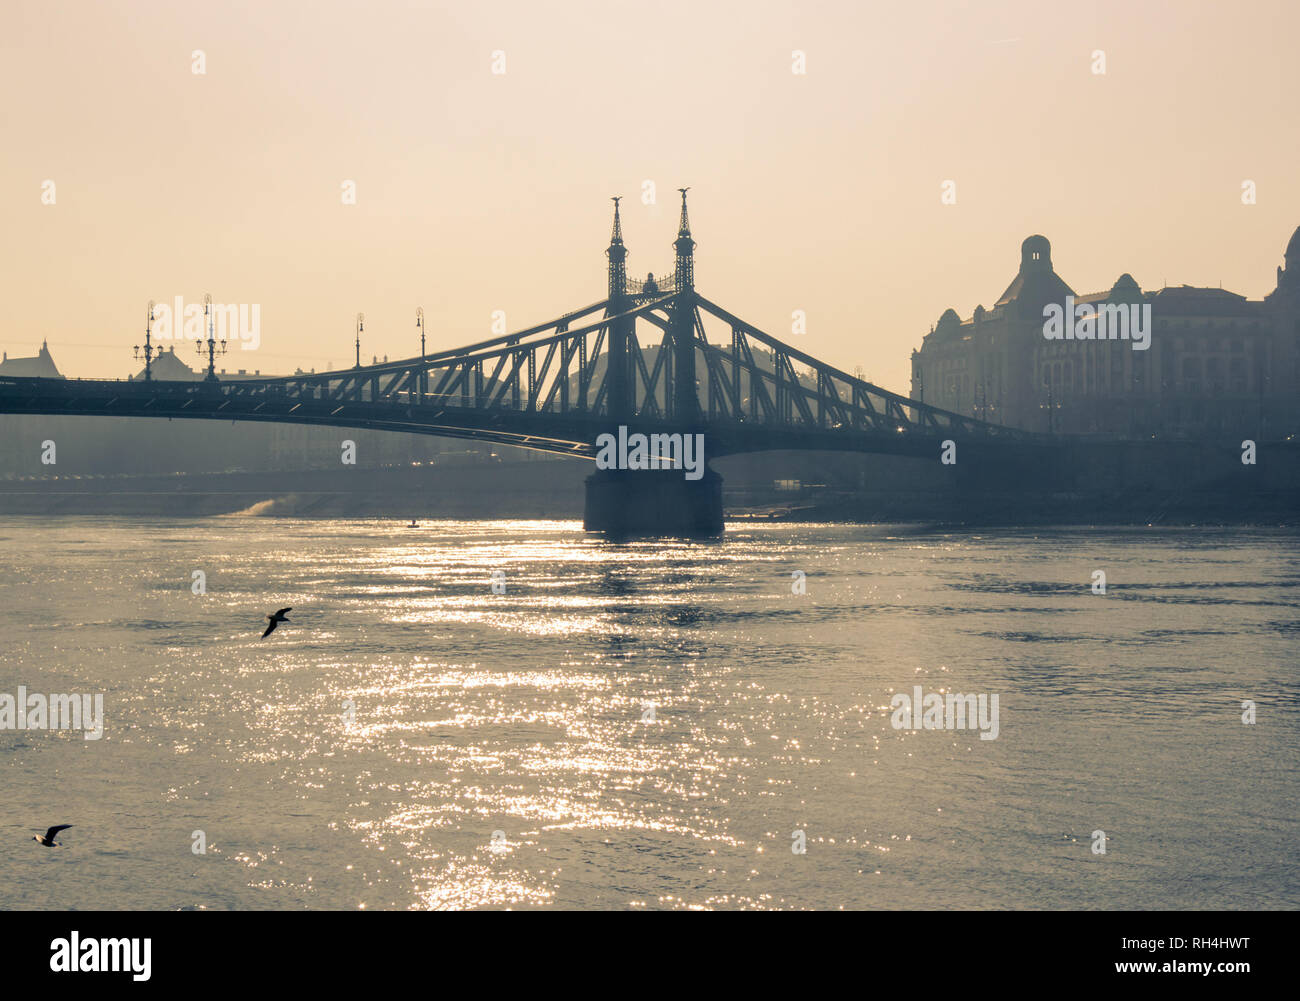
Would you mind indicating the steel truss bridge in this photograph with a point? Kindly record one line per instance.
(639, 357)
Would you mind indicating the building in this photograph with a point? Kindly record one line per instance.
(1217, 362)
(40, 367)
(166, 367)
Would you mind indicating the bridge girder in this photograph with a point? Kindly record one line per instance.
(548, 387)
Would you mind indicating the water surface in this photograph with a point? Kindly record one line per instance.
(646, 725)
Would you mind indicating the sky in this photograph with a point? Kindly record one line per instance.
(479, 191)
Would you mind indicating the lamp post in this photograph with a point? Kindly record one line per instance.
(148, 346)
(212, 341)
(419, 382)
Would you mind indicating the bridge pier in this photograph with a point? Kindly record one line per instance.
(624, 503)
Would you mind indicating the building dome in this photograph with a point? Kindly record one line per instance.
(1036, 252)
(1293, 250)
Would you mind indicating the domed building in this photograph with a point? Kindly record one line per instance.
(1217, 363)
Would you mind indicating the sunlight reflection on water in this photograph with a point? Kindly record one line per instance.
(648, 725)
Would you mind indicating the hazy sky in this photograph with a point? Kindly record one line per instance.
(478, 191)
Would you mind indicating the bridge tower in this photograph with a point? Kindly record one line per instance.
(653, 502)
(685, 406)
(620, 405)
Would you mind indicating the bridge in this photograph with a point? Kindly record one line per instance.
(558, 386)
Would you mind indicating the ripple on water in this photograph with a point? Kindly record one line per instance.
(647, 726)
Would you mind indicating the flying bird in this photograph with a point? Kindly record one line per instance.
(276, 619)
(48, 840)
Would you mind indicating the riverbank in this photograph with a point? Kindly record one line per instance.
(1141, 485)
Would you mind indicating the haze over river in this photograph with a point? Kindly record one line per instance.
(647, 725)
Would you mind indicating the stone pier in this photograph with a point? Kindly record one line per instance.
(653, 502)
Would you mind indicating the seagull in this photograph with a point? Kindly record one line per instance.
(276, 619)
(48, 841)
